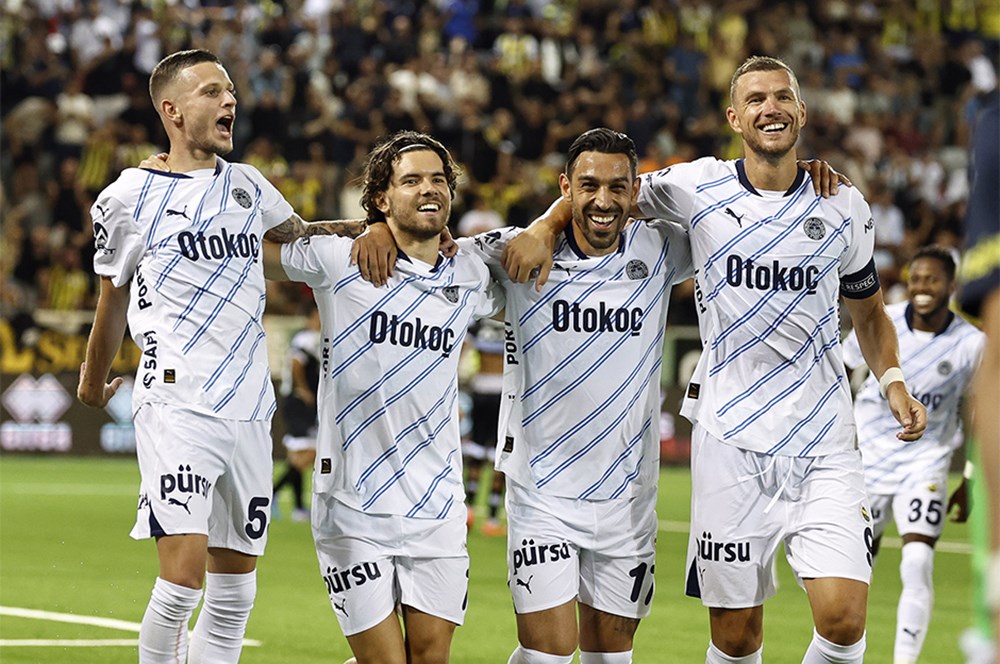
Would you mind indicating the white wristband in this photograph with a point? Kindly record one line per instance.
(969, 469)
(891, 375)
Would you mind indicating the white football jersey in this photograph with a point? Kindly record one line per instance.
(388, 440)
(190, 245)
(938, 369)
(769, 269)
(580, 411)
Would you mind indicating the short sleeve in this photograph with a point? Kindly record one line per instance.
(669, 192)
(862, 239)
(274, 208)
(318, 262)
(679, 251)
(118, 241)
(489, 247)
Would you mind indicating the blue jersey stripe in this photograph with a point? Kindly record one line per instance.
(696, 219)
(626, 453)
(432, 488)
(808, 418)
(551, 294)
(628, 479)
(818, 438)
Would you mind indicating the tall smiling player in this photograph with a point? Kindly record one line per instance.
(178, 253)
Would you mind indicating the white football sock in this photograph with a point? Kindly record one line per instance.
(163, 637)
(913, 615)
(218, 633)
(716, 656)
(821, 651)
(624, 657)
(522, 655)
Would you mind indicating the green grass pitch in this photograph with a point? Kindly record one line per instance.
(64, 549)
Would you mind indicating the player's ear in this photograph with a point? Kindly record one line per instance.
(382, 202)
(802, 113)
(734, 120)
(564, 186)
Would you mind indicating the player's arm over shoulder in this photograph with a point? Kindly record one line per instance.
(678, 247)
(669, 192)
(316, 261)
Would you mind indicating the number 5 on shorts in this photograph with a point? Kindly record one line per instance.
(257, 517)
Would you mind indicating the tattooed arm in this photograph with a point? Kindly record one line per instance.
(294, 227)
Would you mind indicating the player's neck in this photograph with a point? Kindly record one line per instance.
(933, 322)
(421, 249)
(771, 174)
(183, 160)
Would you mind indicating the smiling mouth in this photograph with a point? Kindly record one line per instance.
(429, 207)
(602, 221)
(923, 300)
(774, 127)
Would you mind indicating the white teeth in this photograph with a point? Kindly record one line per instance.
(602, 220)
(922, 300)
(430, 207)
(774, 126)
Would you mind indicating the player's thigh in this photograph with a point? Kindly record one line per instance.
(617, 565)
(605, 632)
(380, 644)
(356, 567)
(920, 508)
(830, 528)
(241, 507)
(839, 607)
(182, 455)
(428, 637)
(543, 556)
(733, 536)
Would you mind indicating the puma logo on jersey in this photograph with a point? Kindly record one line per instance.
(179, 213)
(737, 217)
(525, 584)
(911, 633)
(174, 501)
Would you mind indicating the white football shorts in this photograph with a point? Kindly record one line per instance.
(371, 563)
(744, 504)
(204, 475)
(918, 508)
(601, 552)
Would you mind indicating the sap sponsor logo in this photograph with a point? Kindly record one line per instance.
(772, 276)
(568, 316)
(383, 328)
(183, 481)
(150, 347)
(341, 580)
(509, 344)
(722, 552)
(36, 406)
(531, 554)
(202, 246)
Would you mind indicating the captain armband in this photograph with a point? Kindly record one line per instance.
(863, 283)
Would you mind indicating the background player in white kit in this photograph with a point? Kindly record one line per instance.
(388, 507)
(909, 481)
(774, 455)
(178, 254)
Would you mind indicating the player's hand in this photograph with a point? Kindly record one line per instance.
(908, 411)
(529, 256)
(959, 500)
(374, 252)
(826, 181)
(96, 395)
(447, 246)
(156, 162)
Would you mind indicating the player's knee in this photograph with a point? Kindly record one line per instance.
(843, 625)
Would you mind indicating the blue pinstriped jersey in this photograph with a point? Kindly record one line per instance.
(189, 244)
(938, 369)
(388, 439)
(580, 410)
(769, 267)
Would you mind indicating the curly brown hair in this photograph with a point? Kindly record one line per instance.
(385, 155)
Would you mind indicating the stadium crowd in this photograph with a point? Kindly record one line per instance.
(891, 86)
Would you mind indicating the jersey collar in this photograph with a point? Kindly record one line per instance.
(571, 241)
(184, 176)
(908, 315)
(401, 254)
(741, 173)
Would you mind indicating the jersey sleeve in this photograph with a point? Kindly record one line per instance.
(489, 247)
(669, 193)
(858, 274)
(273, 206)
(852, 351)
(118, 241)
(318, 262)
(679, 249)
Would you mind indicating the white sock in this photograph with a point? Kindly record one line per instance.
(624, 657)
(218, 634)
(163, 637)
(522, 655)
(913, 614)
(716, 656)
(822, 651)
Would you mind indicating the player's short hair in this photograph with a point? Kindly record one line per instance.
(606, 141)
(940, 253)
(385, 155)
(762, 63)
(167, 69)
